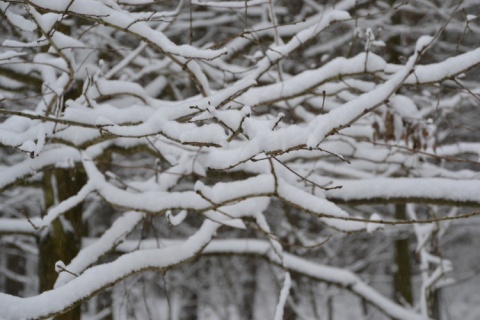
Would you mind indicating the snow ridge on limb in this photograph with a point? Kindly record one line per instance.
(15, 226)
(111, 238)
(329, 274)
(317, 206)
(446, 69)
(64, 206)
(230, 4)
(448, 190)
(59, 157)
(354, 109)
(333, 275)
(299, 84)
(294, 136)
(96, 278)
(122, 20)
(56, 301)
(290, 30)
(277, 52)
(202, 199)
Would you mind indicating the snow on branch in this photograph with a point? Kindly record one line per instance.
(408, 189)
(60, 157)
(324, 273)
(15, 226)
(125, 120)
(122, 20)
(337, 276)
(108, 241)
(56, 301)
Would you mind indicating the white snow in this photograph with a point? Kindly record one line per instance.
(212, 136)
(403, 188)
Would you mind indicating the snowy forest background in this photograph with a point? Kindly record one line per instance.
(260, 159)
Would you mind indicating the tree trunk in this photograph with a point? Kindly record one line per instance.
(435, 293)
(403, 273)
(62, 240)
(15, 262)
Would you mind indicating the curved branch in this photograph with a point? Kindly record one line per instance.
(332, 275)
(55, 302)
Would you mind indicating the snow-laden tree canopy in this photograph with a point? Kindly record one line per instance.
(252, 128)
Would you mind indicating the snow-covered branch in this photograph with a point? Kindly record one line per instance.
(290, 121)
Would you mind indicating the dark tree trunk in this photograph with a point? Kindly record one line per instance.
(15, 262)
(250, 287)
(435, 293)
(62, 240)
(403, 273)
